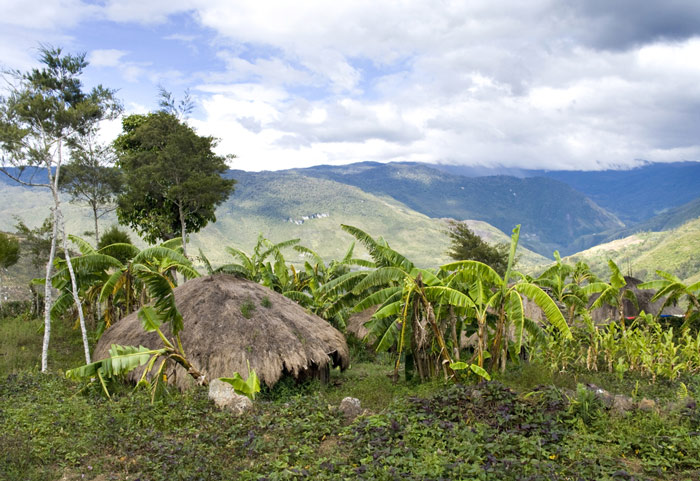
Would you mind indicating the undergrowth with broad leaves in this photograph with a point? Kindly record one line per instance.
(49, 429)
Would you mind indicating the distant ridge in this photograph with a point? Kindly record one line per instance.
(634, 195)
(552, 214)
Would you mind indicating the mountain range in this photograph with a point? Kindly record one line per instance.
(407, 203)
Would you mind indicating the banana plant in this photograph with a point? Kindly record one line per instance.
(322, 288)
(612, 293)
(673, 290)
(490, 292)
(565, 283)
(406, 319)
(127, 285)
(256, 267)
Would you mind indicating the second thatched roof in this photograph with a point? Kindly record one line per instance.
(606, 312)
(231, 321)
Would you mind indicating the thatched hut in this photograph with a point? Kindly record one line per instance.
(231, 321)
(607, 312)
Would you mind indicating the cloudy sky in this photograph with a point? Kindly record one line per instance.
(585, 84)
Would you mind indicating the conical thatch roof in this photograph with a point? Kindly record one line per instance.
(218, 338)
(644, 296)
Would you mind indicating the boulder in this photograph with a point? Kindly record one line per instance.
(350, 407)
(225, 397)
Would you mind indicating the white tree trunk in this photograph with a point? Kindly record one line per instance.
(58, 217)
(47, 286)
(74, 285)
(97, 228)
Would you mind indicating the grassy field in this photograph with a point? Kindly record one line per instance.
(529, 424)
(675, 251)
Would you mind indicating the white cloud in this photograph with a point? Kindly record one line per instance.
(539, 83)
(106, 57)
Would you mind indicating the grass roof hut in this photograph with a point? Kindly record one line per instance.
(630, 310)
(231, 321)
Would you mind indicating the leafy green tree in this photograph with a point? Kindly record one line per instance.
(467, 245)
(37, 241)
(91, 178)
(114, 235)
(9, 251)
(44, 111)
(173, 179)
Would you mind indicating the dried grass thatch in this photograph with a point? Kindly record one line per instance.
(218, 338)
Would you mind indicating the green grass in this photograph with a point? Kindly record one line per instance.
(675, 251)
(21, 339)
(521, 426)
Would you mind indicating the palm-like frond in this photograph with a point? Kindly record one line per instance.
(160, 253)
(120, 251)
(379, 277)
(61, 305)
(469, 270)
(387, 333)
(233, 269)
(345, 282)
(299, 297)
(205, 261)
(93, 262)
(379, 250)
(83, 246)
(111, 285)
(448, 295)
(617, 280)
(377, 298)
(160, 288)
(173, 244)
(305, 250)
(548, 306)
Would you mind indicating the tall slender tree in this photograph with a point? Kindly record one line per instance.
(91, 178)
(45, 110)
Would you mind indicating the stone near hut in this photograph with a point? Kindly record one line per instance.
(225, 397)
(646, 405)
(350, 407)
(621, 404)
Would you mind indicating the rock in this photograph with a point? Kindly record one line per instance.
(225, 397)
(350, 407)
(622, 404)
(604, 396)
(646, 405)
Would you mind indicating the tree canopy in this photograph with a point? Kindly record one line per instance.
(467, 245)
(173, 179)
(91, 178)
(9, 250)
